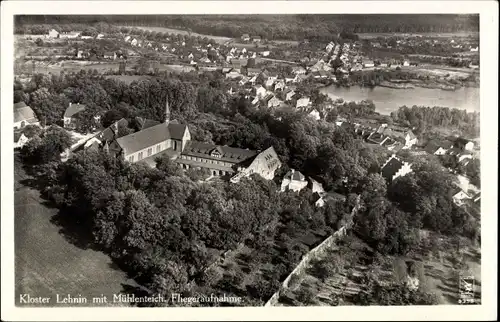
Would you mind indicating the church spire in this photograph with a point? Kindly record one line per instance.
(167, 112)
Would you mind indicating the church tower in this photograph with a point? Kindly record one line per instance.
(167, 112)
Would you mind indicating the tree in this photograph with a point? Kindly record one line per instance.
(49, 147)
(39, 42)
(31, 131)
(167, 167)
(372, 187)
(305, 295)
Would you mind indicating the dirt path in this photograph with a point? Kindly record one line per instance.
(47, 264)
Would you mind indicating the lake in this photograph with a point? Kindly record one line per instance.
(388, 100)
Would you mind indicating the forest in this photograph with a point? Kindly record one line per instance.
(165, 226)
(425, 119)
(276, 27)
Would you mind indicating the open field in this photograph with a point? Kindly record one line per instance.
(48, 263)
(181, 32)
(101, 67)
(440, 267)
(424, 34)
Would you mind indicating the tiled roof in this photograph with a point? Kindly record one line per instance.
(142, 139)
(145, 123)
(229, 154)
(108, 134)
(22, 112)
(391, 168)
(19, 105)
(269, 157)
(176, 130)
(73, 109)
(17, 136)
(295, 175)
(461, 142)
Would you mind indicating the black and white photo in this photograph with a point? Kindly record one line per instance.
(282, 160)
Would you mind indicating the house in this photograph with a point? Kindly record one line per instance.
(265, 53)
(253, 71)
(127, 38)
(377, 138)
(460, 196)
(460, 154)
(24, 115)
(406, 63)
(53, 33)
(102, 140)
(280, 85)
(293, 181)
(233, 74)
(438, 147)
(303, 102)
(243, 80)
(289, 93)
(299, 78)
(395, 168)
(274, 102)
(265, 164)
(269, 82)
(71, 112)
(463, 144)
(368, 64)
(99, 36)
(315, 114)
(19, 139)
(109, 55)
(330, 46)
(253, 80)
(474, 49)
(320, 74)
(393, 145)
(260, 91)
(398, 133)
(316, 186)
(245, 37)
(323, 197)
(70, 35)
(473, 65)
(256, 39)
(298, 70)
(134, 42)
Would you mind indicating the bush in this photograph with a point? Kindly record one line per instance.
(305, 295)
(293, 281)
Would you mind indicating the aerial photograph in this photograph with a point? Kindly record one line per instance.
(283, 160)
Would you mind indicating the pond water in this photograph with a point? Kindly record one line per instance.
(388, 100)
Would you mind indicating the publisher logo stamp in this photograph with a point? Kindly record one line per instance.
(466, 292)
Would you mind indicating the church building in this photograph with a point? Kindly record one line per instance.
(174, 140)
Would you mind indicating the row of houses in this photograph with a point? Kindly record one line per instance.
(392, 137)
(461, 148)
(247, 38)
